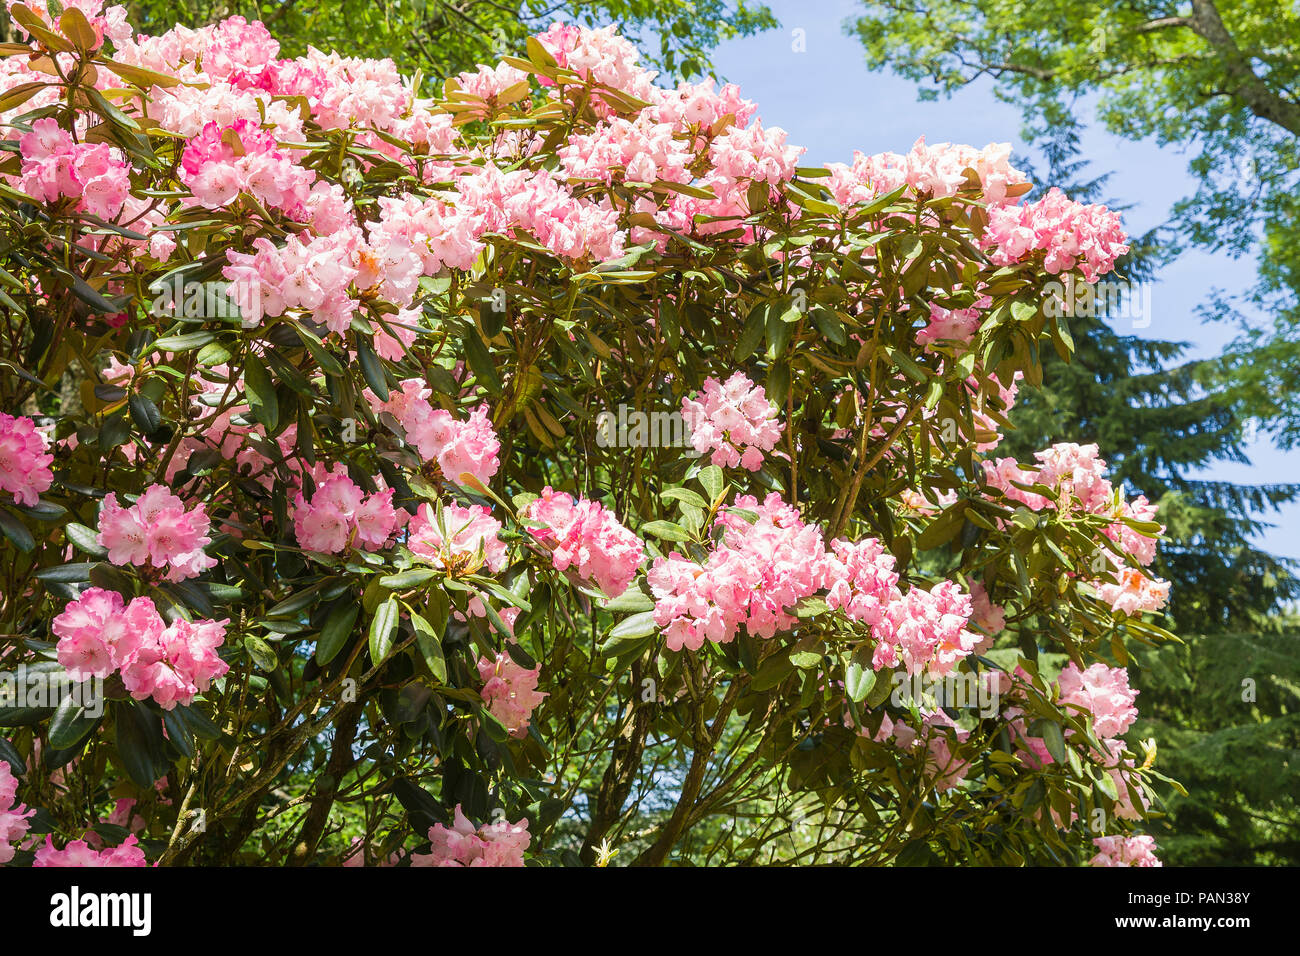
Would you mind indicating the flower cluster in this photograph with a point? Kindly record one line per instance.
(80, 853)
(156, 530)
(463, 844)
(99, 634)
(1103, 693)
(536, 203)
(643, 150)
(581, 534)
(1076, 477)
(769, 560)
(921, 630)
(733, 420)
(1125, 851)
(464, 450)
(221, 162)
(13, 815)
(1067, 233)
(24, 464)
(935, 172)
(457, 539)
(757, 572)
(340, 515)
(601, 56)
(55, 167)
(510, 691)
(311, 273)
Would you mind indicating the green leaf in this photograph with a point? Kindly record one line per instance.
(1023, 311)
(10, 755)
(636, 626)
(712, 481)
(943, 528)
(630, 601)
(752, 333)
(372, 369)
(296, 602)
(829, 324)
(261, 393)
(859, 679)
(84, 539)
(70, 724)
(480, 360)
(75, 573)
(198, 722)
(430, 646)
(136, 729)
(666, 530)
(686, 496)
(144, 413)
(382, 628)
(178, 731)
(337, 629)
(16, 532)
(408, 579)
(262, 654)
(772, 672)
(183, 343)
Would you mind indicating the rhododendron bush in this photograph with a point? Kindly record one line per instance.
(333, 528)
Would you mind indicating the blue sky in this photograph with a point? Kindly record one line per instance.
(830, 103)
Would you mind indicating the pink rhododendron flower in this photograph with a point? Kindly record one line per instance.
(177, 663)
(79, 853)
(173, 663)
(98, 632)
(582, 535)
(1066, 232)
(24, 464)
(761, 570)
(510, 691)
(54, 167)
(465, 450)
(463, 844)
(339, 515)
(458, 539)
(13, 815)
(755, 575)
(158, 530)
(1102, 692)
(223, 161)
(734, 421)
(601, 55)
(1125, 851)
(1134, 593)
(937, 172)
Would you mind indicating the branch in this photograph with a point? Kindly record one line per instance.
(1247, 86)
